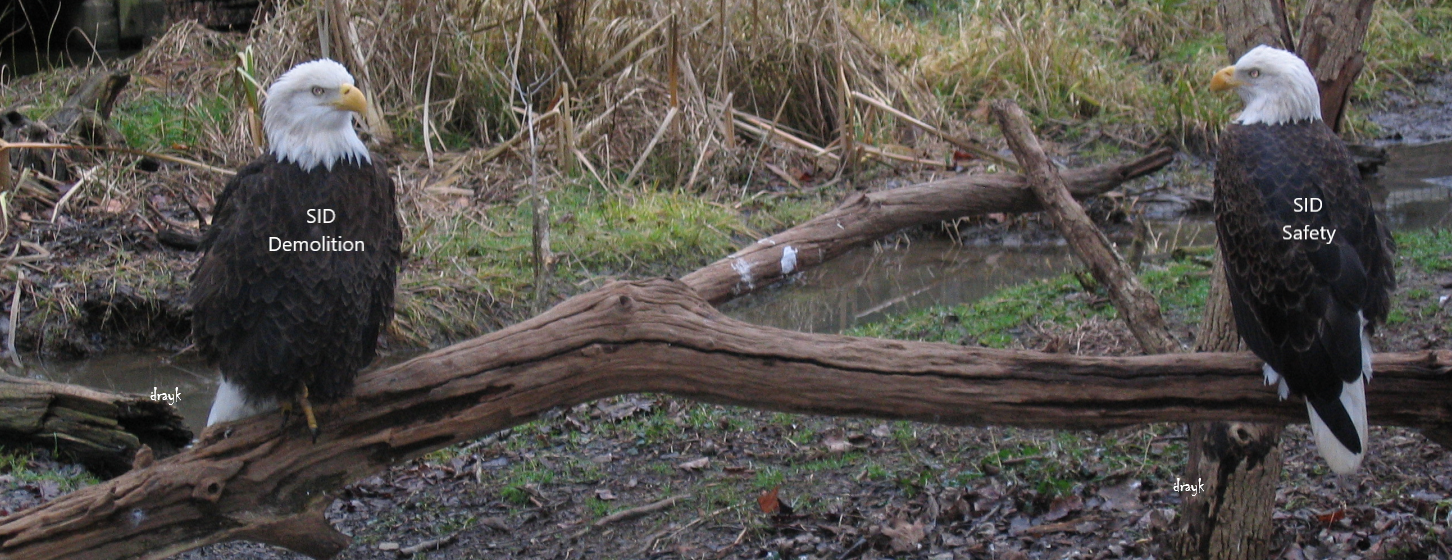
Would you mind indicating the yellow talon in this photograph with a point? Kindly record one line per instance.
(308, 413)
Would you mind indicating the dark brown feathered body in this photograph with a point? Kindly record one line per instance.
(273, 320)
(1298, 304)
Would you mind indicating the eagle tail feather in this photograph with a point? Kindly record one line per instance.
(1365, 348)
(1341, 449)
(232, 404)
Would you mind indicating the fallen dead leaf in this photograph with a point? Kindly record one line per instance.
(837, 445)
(1123, 496)
(769, 500)
(906, 537)
(1063, 506)
(695, 464)
(604, 494)
(1331, 517)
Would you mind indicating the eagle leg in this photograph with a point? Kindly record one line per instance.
(302, 399)
(286, 408)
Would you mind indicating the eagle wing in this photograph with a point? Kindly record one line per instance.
(270, 320)
(1300, 304)
(1299, 299)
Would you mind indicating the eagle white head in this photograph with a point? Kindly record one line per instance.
(1275, 85)
(308, 116)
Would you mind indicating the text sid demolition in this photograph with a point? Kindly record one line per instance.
(327, 243)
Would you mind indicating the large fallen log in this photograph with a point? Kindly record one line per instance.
(100, 430)
(244, 480)
(867, 217)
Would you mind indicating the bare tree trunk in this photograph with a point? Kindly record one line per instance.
(244, 480)
(1250, 23)
(1332, 32)
(1331, 35)
(1239, 463)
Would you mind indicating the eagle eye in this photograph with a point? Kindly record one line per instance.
(1254, 72)
(318, 91)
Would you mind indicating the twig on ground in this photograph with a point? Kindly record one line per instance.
(428, 545)
(85, 176)
(640, 511)
(133, 151)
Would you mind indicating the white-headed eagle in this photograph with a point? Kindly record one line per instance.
(1309, 262)
(289, 299)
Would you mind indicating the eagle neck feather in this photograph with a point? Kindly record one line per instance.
(314, 142)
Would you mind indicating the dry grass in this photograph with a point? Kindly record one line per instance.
(471, 72)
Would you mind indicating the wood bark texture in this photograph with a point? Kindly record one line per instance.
(1250, 23)
(85, 114)
(101, 430)
(1331, 35)
(245, 480)
(1135, 303)
(867, 217)
(1238, 462)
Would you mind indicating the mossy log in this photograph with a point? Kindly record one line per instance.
(100, 430)
(244, 480)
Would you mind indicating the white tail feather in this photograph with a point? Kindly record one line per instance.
(231, 404)
(1365, 349)
(1341, 459)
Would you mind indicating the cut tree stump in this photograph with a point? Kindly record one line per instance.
(101, 430)
(243, 480)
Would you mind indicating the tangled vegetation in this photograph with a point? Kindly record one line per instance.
(642, 177)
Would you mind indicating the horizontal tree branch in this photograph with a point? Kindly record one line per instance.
(242, 480)
(867, 217)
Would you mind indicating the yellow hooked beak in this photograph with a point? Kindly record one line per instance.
(352, 100)
(1224, 79)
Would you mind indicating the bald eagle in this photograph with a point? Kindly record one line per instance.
(298, 273)
(1307, 259)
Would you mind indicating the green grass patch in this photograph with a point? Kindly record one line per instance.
(159, 121)
(1429, 250)
(995, 321)
(1133, 62)
(21, 465)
